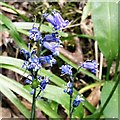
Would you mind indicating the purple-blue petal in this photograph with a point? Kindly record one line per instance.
(27, 81)
(43, 84)
(90, 65)
(66, 69)
(35, 34)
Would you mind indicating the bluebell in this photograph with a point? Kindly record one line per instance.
(47, 60)
(56, 20)
(77, 101)
(69, 89)
(35, 34)
(43, 83)
(52, 38)
(66, 69)
(33, 64)
(90, 65)
(52, 47)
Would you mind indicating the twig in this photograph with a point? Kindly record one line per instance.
(101, 63)
(96, 55)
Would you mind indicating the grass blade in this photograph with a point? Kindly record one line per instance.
(12, 8)
(19, 89)
(13, 31)
(12, 97)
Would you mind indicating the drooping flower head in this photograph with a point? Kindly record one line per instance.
(77, 101)
(34, 34)
(43, 83)
(53, 47)
(52, 38)
(56, 20)
(66, 69)
(61, 23)
(47, 60)
(26, 53)
(90, 65)
(69, 89)
(32, 62)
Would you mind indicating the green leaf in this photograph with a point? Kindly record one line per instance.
(13, 31)
(12, 8)
(44, 28)
(2, 28)
(54, 105)
(105, 21)
(86, 11)
(111, 110)
(12, 97)
(70, 37)
(19, 89)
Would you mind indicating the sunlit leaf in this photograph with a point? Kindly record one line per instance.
(105, 21)
(111, 110)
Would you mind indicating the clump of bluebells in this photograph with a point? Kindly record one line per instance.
(35, 58)
(33, 61)
(67, 70)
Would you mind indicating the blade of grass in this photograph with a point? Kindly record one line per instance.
(19, 89)
(12, 8)
(17, 63)
(12, 97)
(13, 31)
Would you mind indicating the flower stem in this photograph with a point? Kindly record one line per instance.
(33, 106)
(70, 107)
(84, 89)
(71, 113)
(38, 94)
